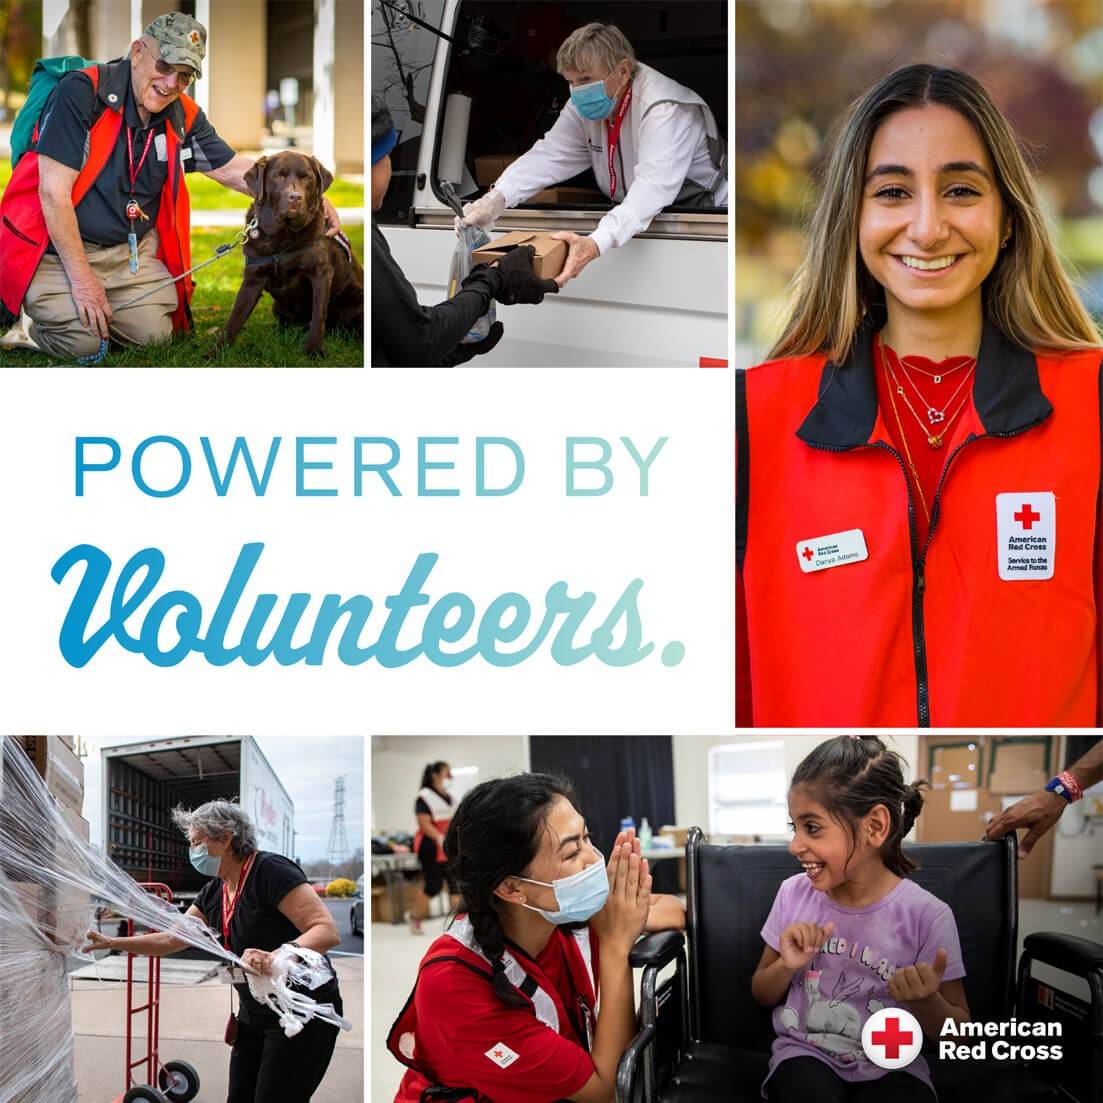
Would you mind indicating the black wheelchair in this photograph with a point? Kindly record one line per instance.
(703, 1039)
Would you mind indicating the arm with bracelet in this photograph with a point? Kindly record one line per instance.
(1039, 812)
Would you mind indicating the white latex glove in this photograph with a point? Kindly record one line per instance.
(484, 212)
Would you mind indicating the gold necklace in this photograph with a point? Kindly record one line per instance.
(904, 441)
(933, 439)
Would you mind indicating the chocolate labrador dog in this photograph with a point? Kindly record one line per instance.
(313, 279)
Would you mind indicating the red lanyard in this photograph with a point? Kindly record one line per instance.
(614, 138)
(130, 156)
(230, 906)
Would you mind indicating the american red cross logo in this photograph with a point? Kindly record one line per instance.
(1026, 516)
(892, 1038)
(807, 553)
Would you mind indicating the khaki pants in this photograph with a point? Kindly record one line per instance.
(58, 331)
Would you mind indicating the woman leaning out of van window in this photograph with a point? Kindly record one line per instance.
(259, 901)
(505, 1002)
(919, 503)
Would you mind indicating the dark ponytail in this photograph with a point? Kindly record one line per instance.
(428, 772)
(850, 776)
(495, 834)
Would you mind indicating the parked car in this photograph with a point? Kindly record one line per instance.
(356, 916)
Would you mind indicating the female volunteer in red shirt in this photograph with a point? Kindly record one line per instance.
(433, 809)
(504, 1007)
(919, 495)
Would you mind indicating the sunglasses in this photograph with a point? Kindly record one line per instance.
(166, 70)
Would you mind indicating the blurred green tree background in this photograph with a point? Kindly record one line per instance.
(800, 63)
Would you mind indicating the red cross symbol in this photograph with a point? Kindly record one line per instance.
(892, 1038)
(807, 553)
(497, 1053)
(1026, 516)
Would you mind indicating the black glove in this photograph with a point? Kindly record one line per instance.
(462, 353)
(519, 283)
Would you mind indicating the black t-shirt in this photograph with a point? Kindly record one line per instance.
(63, 136)
(257, 923)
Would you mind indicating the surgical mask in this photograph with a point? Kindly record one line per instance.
(204, 863)
(592, 101)
(581, 896)
(447, 784)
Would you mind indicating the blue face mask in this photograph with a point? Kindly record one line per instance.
(592, 101)
(581, 896)
(204, 863)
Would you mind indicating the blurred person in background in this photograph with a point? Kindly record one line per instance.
(433, 809)
(927, 422)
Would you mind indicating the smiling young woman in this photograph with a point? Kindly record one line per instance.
(928, 424)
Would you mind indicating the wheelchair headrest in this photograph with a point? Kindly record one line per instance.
(731, 891)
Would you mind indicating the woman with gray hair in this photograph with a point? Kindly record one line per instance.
(259, 901)
(650, 141)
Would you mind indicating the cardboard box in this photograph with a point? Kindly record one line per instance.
(490, 167)
(1019, 766)
(550, 257)
(65, 775)
(382, 910)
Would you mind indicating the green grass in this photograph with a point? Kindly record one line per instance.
(259, 344)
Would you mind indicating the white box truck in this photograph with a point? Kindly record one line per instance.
(662, 299)
(143, 782)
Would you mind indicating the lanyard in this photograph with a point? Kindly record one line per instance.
(614, 138)
(130, 156)
(228, 906)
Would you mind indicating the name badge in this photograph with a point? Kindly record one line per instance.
(836, 550)
(1026, 534)
(185, 153)
(160, 144)
(231, 974)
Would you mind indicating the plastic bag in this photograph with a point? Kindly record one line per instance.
(302, 967)
(51, 884)
(469, 239)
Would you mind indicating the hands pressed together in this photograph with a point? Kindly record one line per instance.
(621, 921)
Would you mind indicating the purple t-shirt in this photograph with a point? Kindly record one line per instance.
(847, 981)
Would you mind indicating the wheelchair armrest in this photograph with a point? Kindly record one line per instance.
(628, 1066)
(1064, 951)
(656, 949)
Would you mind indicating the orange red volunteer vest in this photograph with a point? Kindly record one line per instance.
(918, 636)
(23, 233)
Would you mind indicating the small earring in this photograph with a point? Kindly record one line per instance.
(1003, 244)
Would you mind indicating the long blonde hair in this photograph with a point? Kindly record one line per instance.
(1027, 295)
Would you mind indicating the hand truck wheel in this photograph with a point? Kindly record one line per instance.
(144, 1094)
(179, 1081)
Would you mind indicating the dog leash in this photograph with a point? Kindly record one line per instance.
(220, 251)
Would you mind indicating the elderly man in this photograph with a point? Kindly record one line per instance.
(650, 141)
(96, 212)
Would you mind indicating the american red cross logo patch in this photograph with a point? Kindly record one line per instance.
(502, 1055)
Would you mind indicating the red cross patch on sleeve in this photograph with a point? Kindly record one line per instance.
(501, 1055)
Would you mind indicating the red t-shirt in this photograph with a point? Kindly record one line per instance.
(929, 462)
(465, 1034)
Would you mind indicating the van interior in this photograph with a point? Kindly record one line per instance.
(504, 60)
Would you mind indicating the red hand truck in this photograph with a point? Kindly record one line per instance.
(177, 1081)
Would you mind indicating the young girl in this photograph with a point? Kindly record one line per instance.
(505, 1008)
(928, 424)
(851, 934)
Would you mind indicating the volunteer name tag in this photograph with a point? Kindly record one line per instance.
(501, 1055)
(835, 550)
(1026, 534)
(185, 153)
(160, 144)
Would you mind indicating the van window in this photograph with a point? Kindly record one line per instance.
(506, 66)
(401, 66)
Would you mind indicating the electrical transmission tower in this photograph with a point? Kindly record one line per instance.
(338, 851)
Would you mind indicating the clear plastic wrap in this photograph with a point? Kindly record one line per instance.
(296, 965)
(51, 885)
